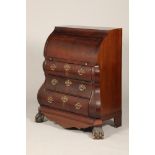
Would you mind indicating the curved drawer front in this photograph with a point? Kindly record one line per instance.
(64, 102)
(68, 70)
(69, 86)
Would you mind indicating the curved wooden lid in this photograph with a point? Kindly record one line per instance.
(77, 44)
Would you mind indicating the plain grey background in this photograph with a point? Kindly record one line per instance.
(42, 16)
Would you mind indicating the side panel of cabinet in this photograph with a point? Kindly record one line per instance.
(110, 60)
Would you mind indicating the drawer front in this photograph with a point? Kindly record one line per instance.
(65, 102)
(68, 70)
(69, 86)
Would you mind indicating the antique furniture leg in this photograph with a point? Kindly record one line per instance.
(97, 132)
(117, 120)
(39, 118)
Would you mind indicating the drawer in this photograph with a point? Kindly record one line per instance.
(69, 86)
(64, 102)
(75, 71)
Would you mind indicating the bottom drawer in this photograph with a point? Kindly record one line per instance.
(64, 102)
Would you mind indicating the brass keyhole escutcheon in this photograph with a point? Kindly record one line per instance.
(81, 71)
(52, 67)
(50, 99)
(67, 67)
(78, 106)
(82, 87)
(68, 83)
(54, 82)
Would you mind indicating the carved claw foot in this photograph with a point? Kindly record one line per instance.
(39, 118)
(98, 133)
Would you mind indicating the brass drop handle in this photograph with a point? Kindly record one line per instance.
(64, 99)
(82, 87)
(50, 99)
(67, 67)
(68, 83)
(54, 82)
(52, 67)
(78, 106)
(81, 71)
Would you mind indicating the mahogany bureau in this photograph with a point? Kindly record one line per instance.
(82, 87)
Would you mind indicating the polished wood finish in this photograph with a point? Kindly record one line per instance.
(63, 101)
(69, 86)
(82, 85)
(75, 70)
(68, 120)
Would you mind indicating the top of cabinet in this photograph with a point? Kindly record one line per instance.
(79, 43)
